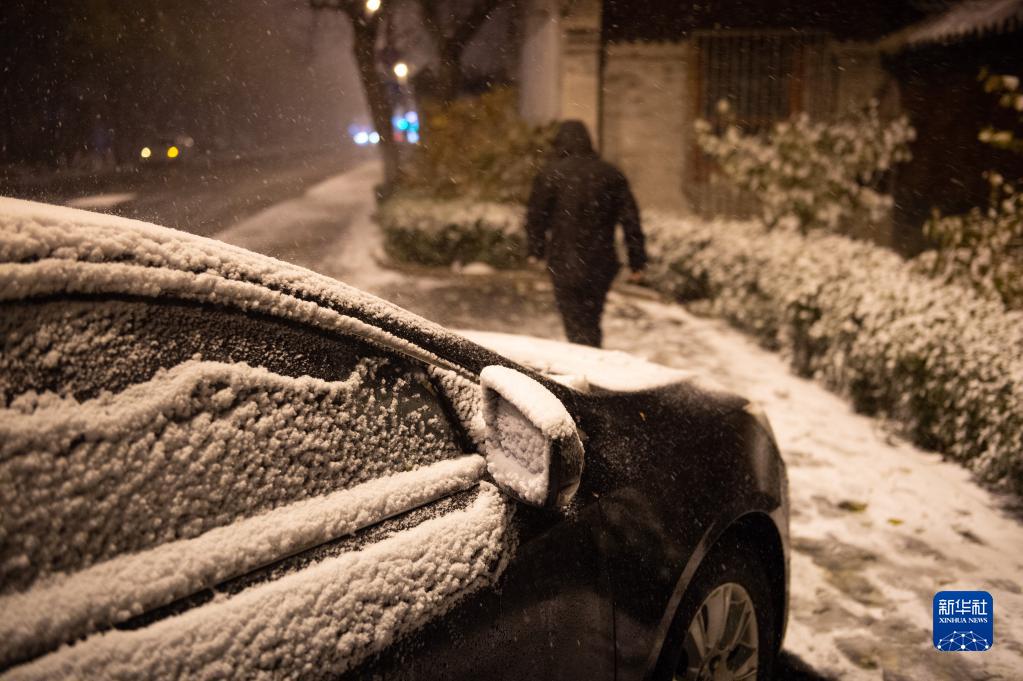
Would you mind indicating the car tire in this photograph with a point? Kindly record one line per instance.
(730, 579)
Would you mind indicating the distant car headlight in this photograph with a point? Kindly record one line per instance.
(146, 152)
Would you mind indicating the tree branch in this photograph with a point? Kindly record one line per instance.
(430, 9)
(468, 27)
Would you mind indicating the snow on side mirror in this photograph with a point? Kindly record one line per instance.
(533, 449)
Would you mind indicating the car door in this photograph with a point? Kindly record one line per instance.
(232, 491)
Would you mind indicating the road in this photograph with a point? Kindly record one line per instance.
(195, 195)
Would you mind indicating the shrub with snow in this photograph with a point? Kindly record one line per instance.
(983, 248)
(1006, 87)
(440, 233)
(476, 147)
(813, 174)
(944, 363)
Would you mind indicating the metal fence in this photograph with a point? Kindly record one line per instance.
(765, 76)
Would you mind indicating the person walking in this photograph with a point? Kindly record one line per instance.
(576, 202)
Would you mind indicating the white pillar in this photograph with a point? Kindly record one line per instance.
(580, 62)
(539, 64)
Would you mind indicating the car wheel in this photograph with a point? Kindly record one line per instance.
(726, 626)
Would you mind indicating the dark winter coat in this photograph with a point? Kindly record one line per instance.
(577, 199)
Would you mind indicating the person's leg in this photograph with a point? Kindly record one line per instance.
(568, 306)
(593, 306)
(581, 308)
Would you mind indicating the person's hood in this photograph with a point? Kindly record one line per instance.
(572, 139)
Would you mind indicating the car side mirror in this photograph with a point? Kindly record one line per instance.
(532, 447)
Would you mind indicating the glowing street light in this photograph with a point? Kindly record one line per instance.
(372, 6)
(401, 70)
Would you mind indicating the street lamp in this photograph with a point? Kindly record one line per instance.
(401, 70)
(372, 6)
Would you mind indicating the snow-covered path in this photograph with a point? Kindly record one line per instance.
(878, 526)
(329, 228)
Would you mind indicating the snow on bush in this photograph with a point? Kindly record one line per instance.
(941, 361)
(983, 248)
(476, 147)
(314, 623)
(1006, 87)
(813, 174)
(67, 607)
(196, 447)
(440, 233)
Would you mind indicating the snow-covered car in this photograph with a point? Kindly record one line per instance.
(217, 465)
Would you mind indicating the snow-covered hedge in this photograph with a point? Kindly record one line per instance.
(983, 248)
(439, 233)
(939, 360)
(811, 174)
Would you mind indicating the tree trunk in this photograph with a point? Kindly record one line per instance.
(378, 100)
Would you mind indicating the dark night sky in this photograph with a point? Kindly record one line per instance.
(238, 73)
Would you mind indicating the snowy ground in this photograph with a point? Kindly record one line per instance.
(878, 526)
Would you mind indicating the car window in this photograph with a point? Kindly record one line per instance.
(130, 423)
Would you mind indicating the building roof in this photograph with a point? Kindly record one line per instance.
(962, 21)
(627, 21)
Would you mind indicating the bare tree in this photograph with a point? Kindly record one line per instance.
(366, 19)
(452, 25)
